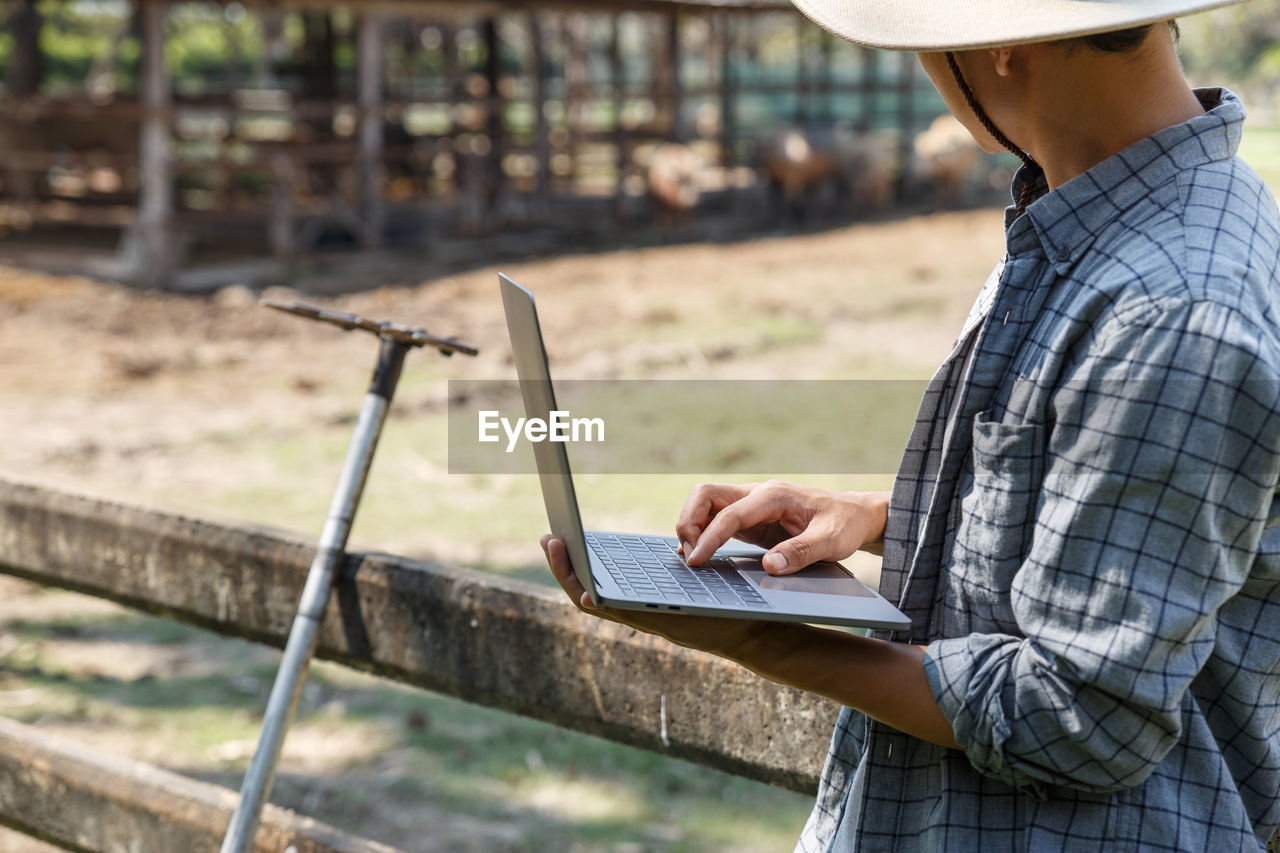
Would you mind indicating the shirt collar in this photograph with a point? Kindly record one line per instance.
(1066, 221)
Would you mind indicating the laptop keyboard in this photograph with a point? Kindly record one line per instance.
(649, 567)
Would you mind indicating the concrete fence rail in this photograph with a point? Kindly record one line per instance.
(480, 637)
(62, 792)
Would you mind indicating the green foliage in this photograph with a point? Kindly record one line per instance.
(75, 36)
(1260, 148)
(1268, 65)
(203, 39)
(1237, 44)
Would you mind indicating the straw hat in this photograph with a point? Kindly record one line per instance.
(925, 25)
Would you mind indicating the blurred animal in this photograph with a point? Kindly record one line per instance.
(830, 170)
(83, 143)
(674, 181)
(869, 164)
(946, 155)
(802, 169)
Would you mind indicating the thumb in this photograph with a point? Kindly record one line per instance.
(792, 555)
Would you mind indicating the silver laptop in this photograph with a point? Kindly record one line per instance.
(640, 572)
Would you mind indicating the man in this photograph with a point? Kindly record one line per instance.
(1085, 528)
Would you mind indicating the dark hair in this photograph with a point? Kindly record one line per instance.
(1122, 41)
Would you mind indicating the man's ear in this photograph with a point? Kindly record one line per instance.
(1002, 60)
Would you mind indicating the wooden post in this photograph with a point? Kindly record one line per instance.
(576, 44)
(470, 177)
(26, 67)
(449, 62)
(272, 28)
(676, 90)
(870, 84)
(26, 70)
(452, 92)
(282, 223)
(906, 114)
(495, 129)
(150, 247)
(906, 94)
(826, 91)
(728, 94)
(318, 44)
(617, 74)
(369, 38)
(234, 54)
(541, 131)
(802, 115)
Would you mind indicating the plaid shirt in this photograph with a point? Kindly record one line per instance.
(1085, 530)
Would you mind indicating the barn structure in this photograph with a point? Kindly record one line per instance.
(190, 128)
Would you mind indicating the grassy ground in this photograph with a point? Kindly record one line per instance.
(1260, 147)
(433, 773)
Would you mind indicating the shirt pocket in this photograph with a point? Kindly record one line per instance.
(996, 519)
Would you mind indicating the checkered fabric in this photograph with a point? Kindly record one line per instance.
(1085, 531)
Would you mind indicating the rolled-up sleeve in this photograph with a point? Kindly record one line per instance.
(1160, 468)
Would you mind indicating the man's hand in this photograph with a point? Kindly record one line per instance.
(800, 525)
(885, 680)
(721, 636)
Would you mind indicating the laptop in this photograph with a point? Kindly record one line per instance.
(639, 572)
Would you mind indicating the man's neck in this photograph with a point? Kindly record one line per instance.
(1088, 106)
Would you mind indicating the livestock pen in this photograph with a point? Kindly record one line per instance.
(176, 134)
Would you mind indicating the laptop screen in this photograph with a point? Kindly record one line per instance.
(539, 401)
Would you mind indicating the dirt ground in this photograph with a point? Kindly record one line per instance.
(218, 406)
(144, 396)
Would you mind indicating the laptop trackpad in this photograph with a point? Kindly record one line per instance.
(822, 578)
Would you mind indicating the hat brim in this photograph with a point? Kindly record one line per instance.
(927, 25)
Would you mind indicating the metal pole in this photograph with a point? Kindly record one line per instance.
(315, 598)
(397, 340)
